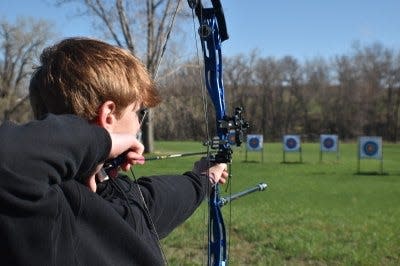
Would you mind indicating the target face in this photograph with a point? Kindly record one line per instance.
(329, 143)
(370, 147)
(291, 143)
(254, 142)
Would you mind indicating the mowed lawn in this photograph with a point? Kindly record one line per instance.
(313, 213)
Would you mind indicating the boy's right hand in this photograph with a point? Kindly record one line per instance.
(128, 144)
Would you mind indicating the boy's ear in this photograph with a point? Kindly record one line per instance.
(106, 115)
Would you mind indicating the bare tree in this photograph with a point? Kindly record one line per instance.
(184, 102)
(237, 76)
(379, 73)
(393, 99)
(295, 102)
(317, 81)
(20, 45)
(268, 80)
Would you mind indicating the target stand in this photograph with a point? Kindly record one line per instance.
(328, 144)
(255, 143)
(292, 144)
(370, 147)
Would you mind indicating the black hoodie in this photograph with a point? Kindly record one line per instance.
(47, 217)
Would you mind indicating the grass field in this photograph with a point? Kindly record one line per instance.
(313, 213)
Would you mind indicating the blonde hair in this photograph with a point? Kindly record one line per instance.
(78, 75)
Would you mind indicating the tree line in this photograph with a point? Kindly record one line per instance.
(20, 45)
(349, 95)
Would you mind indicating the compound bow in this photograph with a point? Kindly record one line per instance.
(230, 129)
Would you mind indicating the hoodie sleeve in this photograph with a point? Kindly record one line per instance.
(40, 153)
(172, 199)
(168, 199)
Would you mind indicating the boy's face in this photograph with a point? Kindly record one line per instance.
(128, 122)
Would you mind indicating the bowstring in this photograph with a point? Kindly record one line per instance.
(167, 36)
(146, 208)
(147, 213)
(206, 210)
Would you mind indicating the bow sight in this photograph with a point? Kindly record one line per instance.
(232, 129)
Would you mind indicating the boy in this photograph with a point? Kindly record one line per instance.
(55, 211)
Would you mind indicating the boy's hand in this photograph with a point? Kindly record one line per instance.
(217, 173)
(121, 144)
(130, 146)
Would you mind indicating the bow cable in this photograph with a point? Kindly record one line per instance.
(206, 210)
(171, 24)
(164, 46)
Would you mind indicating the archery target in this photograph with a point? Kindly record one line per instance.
(370, 147)
(329, 143)
(291, 143)
(254, 142)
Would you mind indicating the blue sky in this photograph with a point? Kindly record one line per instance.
(303, 29)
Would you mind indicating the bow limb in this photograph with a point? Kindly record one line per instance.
(211, 46)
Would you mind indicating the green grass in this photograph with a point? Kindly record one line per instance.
(313, 213)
